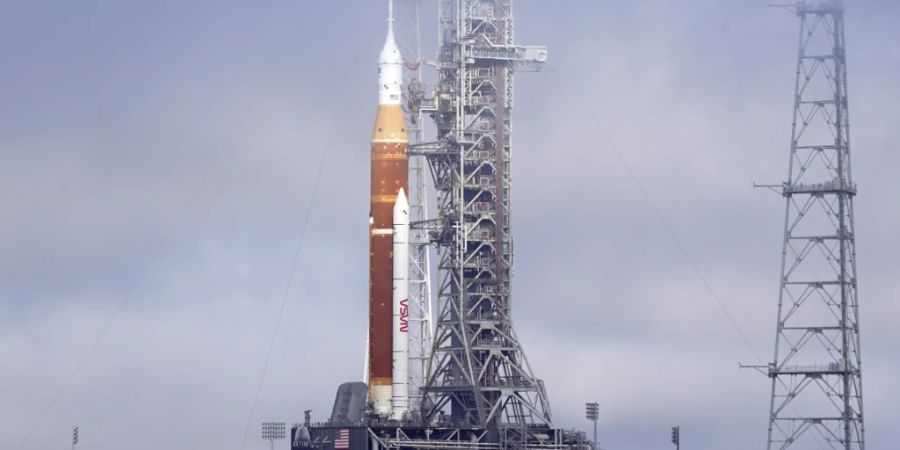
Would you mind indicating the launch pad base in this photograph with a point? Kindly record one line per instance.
(394, 435)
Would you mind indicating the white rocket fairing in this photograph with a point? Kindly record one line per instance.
(400, 392)
(390, 68)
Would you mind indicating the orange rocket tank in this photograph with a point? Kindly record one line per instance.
(390, 169)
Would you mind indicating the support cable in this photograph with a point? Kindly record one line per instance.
(678, 242)
(121, 306)
(671, 232)
(290, 282)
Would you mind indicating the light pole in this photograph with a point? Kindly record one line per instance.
(676, 437)
(592, 412)
(273, 431)
(74, 436)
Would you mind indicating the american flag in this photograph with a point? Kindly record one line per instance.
(342, 441)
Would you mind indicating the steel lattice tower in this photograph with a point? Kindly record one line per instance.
(478, 369)
(816, 376)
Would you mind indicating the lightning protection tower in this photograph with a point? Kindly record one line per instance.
(816, 372)
(479, 373)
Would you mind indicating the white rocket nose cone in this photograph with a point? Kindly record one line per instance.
(401, 206)
(390, 53)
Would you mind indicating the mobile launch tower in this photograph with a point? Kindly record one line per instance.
(478, 368)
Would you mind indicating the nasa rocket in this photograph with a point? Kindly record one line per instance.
(390, 169)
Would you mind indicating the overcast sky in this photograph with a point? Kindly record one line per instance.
(160, 157)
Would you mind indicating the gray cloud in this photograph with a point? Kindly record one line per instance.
(116, 114)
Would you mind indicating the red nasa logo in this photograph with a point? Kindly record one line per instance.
(404, 315)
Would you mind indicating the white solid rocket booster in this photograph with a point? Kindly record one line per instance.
(400, 391)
